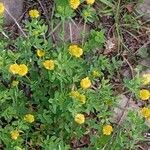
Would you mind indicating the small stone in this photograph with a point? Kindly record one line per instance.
(124, 105)
(126, 73)
(144, 9)
(145, 62)
(15, 8)
(120, 109)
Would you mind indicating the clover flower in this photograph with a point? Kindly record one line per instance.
(2, 8)
(49, 64)
(15, 83)
(14, 68)
(144, 94)
(40, 53)
(145, 112)
(80, 97)
(29, 118)
(96, 73)
(14, 134)
(79, 118)
(21, 69)
(34, 13)
(74, 94)
(90, 2)
(107, 129)
(146, 79)
(85, 83)
(74, 4)
(75, 50)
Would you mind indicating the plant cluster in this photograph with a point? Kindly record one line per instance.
(52, 95)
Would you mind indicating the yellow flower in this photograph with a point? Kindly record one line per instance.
(144, 94)
(74, 4)
(86, 14)
(40, 53)
(96, 73)
(107, 129)
(14, 68)
(90, 2)
(79, 118)
(49, 64)
(14, 83)
(74, 94)
(145, 112)
(85, 83)
(29, 118)
(34, 13)
(82, 98)
(14, 134)
(35, 32)
(109, 102)
(23, 70)
(2, 8)
(146, 79)
(75, 51)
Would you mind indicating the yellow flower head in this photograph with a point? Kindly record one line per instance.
(145, 112)
(14, 134)
(79, 118)
(107, 129)
(35, 32)
(40, 53)
(23, 70)
(14, 83)
(90, 2)
(14, 68)
(146, 79)
(2, 8)
(74, 94)
(96, 73)
(34, 13)
(29, 118)
(144, 94)
(85, 83)
(74, 4)
(82, 98)
(49, 64)
(75, 51)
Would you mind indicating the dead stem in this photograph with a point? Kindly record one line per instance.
(70, 29)
(130, 66)
(16, 22)
(46, 14)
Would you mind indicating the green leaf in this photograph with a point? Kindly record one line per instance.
(143, 52)
(108, 3)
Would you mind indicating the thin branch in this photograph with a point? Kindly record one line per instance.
(70, 28)
(83, 37)
(5, 34)
(16, 22)
(130, 66)
(46, 14)
(58, 25)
